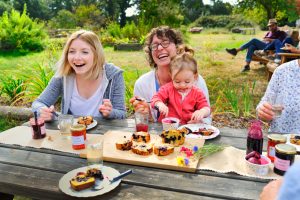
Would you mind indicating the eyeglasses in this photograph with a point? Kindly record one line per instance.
(164, 44)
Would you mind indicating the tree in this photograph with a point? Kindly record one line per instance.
(220, 8)
(5, 5)
(156, 12)
(192, 9)
(35, 8)
(270, 8)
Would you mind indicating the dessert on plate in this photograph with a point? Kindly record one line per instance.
(163, 149)
(174, 137)
(295, 139)
(84, 180)
(85, 120)
(141, 137)
(124, 144)
(143, 149)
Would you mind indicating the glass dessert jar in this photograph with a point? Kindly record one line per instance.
(274, 139)
(37, 128)
(78, 133)
(284, 158)
(255, 137)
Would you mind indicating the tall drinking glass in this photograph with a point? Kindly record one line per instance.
(64, 123)
(95, 155)
(276, 100)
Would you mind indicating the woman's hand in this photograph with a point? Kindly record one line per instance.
(270, 191)
(47, 113)
(264, 112)
(140, 105)
(106, 107)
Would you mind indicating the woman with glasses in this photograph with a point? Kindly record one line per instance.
(160, 46)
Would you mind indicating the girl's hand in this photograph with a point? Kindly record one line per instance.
(163, 109)
(106, 108)
(139, 105)
(198, 115)
(47, 113)
(264, 112)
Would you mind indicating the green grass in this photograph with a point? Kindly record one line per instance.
(215, 65)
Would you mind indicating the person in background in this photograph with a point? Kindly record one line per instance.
(283, 87)
(256, 44)
(160, 47)
(287, 188)
(180, 98)
(87, 85)
(276, 45)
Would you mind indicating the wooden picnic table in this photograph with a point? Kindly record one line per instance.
(35, 173)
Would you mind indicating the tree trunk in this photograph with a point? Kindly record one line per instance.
(19, 113)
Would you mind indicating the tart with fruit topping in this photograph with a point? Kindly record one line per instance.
(295, 139)
(85, 120)
(81, 182)
(124, 144)
(143, 149)
(141, 137)
(174, 137)
(163, 149)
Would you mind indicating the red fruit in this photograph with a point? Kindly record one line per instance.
(251, 154)
(257, 155)
(80, 173)
(254, 160)
(263, 161)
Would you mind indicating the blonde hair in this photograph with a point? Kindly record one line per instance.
(63, 66)
(184, 61)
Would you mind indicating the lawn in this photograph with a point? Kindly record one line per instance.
(220, 70)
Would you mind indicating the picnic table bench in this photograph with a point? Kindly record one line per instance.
(35, 173)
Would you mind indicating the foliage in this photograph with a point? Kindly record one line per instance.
(12, 88)
(36, 8)
(219, 8)
(7, 123)
(270, 9)
(130, 76)
(89, 16)
(18, 32)
(64, 19)
(222, 21)
(235, 98)
(5, 6)
(36, 80)
(157, 13)
(192, 9)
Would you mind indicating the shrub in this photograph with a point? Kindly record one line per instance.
(222, 21)
(18, 32)
(12, 88)
(64, 19)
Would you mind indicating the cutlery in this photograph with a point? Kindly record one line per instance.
(99, 186)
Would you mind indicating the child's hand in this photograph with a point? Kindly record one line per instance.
(163, 109)
(198, 115)
(105, 108)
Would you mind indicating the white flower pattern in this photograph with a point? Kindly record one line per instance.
(285, 83)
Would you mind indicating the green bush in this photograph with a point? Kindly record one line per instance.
(12, 88)
(64, 19)
(19, 33)
(222, 21)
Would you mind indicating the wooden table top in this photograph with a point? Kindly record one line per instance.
(35, 173)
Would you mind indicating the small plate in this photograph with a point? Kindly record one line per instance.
(195, 127)
(288, 142)
(92, 125)
(108, 174)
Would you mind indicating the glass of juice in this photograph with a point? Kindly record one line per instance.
(141, 121)
(95, 155)
(64, 123)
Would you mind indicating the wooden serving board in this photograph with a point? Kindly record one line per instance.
(111, 153)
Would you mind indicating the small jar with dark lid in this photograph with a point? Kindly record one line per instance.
(284, 157)
(274, 139)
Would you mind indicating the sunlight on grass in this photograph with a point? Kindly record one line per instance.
(215, 65)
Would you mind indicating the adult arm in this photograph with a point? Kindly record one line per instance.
(50, 95)
(202, 85)
(117, 97)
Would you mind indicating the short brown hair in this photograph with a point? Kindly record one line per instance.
(184, 61)
(64, 68)
(161, 31)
